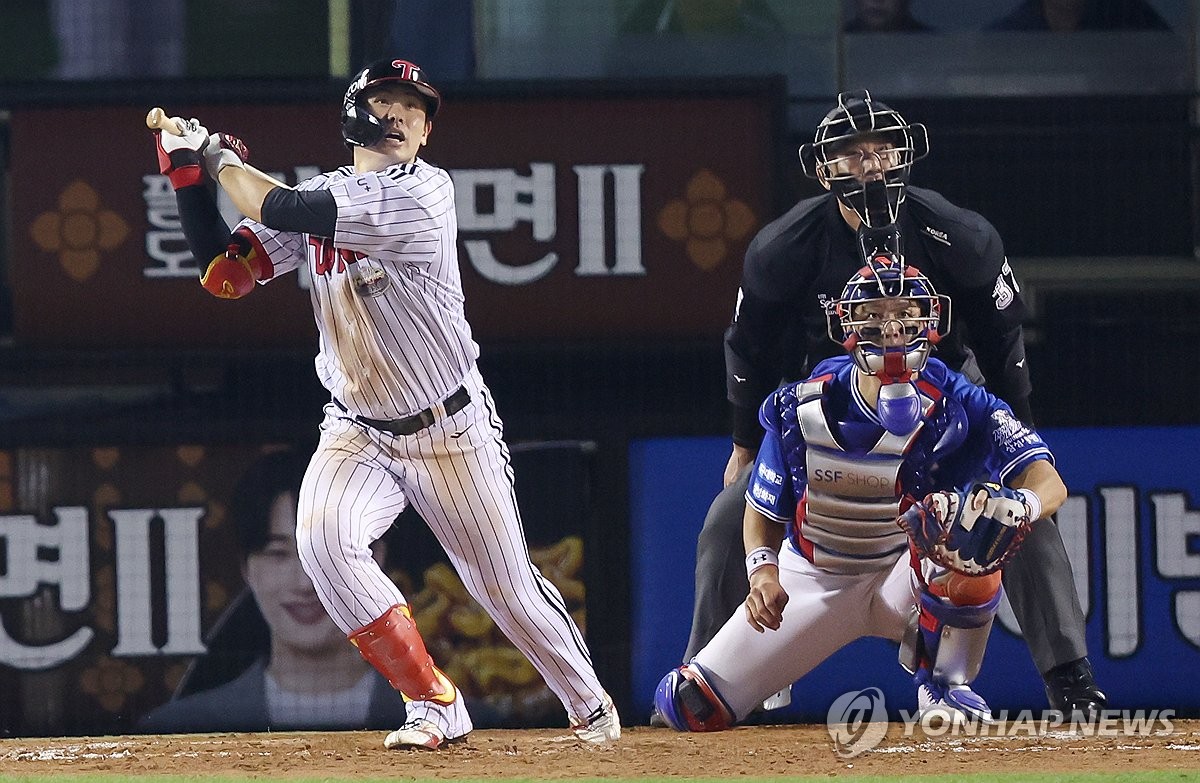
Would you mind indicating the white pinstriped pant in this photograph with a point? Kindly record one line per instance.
(360, 479)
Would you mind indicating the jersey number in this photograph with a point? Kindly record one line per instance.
(324, 253)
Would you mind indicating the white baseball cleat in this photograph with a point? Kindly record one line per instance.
(417, 734)
(601, 727)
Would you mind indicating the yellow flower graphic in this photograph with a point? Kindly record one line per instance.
(79, 230)
(706, 219)
(111, 682)
(106, 458)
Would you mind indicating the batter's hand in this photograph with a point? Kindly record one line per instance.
(224, 150)
(764, 605)
(740, 458)
(181, 157)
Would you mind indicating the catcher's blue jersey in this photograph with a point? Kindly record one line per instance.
(966, 434)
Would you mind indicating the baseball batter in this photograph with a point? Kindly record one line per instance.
(410, 420)
(886, 435)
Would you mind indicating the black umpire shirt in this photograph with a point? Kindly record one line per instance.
(799, 264)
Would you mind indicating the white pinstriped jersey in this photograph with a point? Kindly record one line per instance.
(391, 354)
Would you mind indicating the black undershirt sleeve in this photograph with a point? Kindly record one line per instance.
(303, 211)
(203, 227)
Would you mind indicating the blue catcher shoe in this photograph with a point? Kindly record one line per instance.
(954, 704)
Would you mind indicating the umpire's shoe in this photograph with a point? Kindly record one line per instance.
(1071, 689)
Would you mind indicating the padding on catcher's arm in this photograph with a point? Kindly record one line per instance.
(232, 275)
(973, 532)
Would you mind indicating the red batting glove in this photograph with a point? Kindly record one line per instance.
(181, 157)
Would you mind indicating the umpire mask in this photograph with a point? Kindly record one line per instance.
(865, 150)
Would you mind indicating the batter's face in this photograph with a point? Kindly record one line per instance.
(285, 595)
(401, 109)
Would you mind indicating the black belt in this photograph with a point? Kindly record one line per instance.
(413, 424)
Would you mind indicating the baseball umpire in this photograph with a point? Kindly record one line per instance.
(863, 152)
(410, 419)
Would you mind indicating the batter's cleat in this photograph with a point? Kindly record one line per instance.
(954, 704)
(418, 734)
(1071, 689)
(601, 727)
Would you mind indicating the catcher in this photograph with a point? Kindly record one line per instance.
(888, 493)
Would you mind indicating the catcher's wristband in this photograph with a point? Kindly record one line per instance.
(1032, 501)
(762, 556)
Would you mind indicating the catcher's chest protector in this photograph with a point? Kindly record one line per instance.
(853, 499)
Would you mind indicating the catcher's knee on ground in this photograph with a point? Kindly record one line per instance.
(687, 702)
(392, 644)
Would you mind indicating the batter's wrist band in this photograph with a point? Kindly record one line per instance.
(1033, 502)
(762, 556)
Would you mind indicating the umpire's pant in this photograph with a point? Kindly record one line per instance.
(1038, 582)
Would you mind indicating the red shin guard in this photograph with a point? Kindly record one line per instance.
(392, 644)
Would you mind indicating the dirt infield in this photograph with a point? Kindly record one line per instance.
(642, 752)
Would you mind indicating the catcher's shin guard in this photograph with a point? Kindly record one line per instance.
(687, 702)
(392, 644)
(954, 638)
(950, 644)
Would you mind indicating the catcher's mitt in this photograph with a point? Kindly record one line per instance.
(973, 532)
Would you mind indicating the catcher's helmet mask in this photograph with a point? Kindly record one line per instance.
(871, 342)
(361, 128)
(856, 119)
(887, 277)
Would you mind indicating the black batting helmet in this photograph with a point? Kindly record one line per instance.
(360, 128)
(856, 115)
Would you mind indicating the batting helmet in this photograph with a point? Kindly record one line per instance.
(360, 128)
(857, 115)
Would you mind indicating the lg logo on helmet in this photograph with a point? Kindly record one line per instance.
(407, 70)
